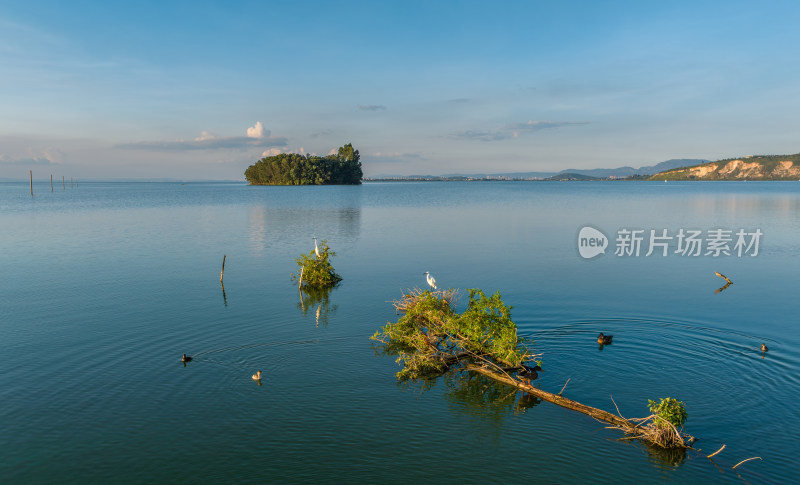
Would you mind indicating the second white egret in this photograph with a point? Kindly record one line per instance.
(431, 280)
(316, 248)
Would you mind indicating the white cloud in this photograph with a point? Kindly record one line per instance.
(46, 156)
(271, 152)
(204, 135)
(257, 131)
(257, 136)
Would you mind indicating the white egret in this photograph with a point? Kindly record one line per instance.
(316, 248)
(431, 280)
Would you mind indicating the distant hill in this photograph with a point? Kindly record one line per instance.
(757, 167)
(622, 172)
(598, 173)
(563, 177)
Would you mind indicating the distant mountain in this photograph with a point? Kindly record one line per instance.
(599, 173)
(669, 165)
(757, 167)
(602, 173)
(622, 172)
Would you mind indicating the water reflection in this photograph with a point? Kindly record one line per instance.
(661, 457)
(280, 226)
(318, 301)
(723, 288)
(474, 394)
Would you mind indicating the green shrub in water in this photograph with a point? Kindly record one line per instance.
(669, 410)
(314, 271)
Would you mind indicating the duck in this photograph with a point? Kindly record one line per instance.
(186, 358)
(604, 339)
(528, 374)
(257, 376)
(764, 347)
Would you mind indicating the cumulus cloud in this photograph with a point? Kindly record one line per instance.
(47, 156)
(257, 131)
(256, 136)
(371, 107)
(26, 161)
(513, 130)
(271, 152)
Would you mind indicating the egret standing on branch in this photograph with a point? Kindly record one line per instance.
(316, 248)
(431, 280)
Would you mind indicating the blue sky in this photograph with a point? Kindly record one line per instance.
(200, 90)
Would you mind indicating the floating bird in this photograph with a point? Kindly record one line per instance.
(604, 339)
(316, 248)
(431, 280)
(186, 358)
(528, 374)
(764, 347)
(257, 376)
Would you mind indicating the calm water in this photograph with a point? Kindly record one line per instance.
(104, 286)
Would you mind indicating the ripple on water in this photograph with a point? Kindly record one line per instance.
(731, 388)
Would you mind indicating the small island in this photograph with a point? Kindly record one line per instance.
(342, 168)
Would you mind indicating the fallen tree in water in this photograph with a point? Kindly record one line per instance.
(431, 338)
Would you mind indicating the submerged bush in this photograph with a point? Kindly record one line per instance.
(669, 410)
(317, 271)
(431, 336)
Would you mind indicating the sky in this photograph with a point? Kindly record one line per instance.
(200, 90)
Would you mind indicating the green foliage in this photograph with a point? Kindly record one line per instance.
(430, 334)
(317, 272)
(344, 168)
(669, 410)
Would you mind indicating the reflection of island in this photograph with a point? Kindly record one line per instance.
(316, 300)
(279, 226)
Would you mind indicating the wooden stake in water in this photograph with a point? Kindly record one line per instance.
(63, 184)
(221, 273)
(51, 182)
(31, 171)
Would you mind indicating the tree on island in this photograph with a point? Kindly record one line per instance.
(343, 168)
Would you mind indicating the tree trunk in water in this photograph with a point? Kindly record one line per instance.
(598, 414)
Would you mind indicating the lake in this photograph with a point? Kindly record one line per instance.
(104, 286)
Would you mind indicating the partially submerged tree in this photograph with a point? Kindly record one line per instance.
(317, 271)
(431, 336)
